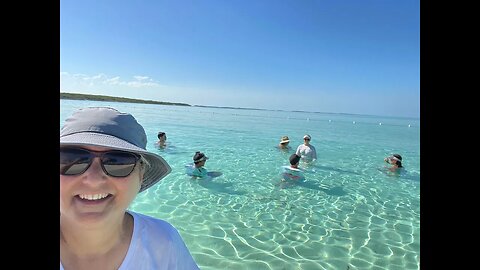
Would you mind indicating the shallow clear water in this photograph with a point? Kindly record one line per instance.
(347, 213)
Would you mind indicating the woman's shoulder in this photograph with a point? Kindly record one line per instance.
(292, 171)
(396, 169)
(148, 226)
(143, 219)
(288, 168)
(155, 243)
(199, 172)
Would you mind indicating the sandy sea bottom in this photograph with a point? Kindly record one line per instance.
(347, 213)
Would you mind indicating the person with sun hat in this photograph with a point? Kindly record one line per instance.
(104, 164)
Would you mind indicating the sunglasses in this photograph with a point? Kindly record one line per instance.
(75, 161)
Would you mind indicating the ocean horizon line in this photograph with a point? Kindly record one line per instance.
(278, 110)
(78, 96)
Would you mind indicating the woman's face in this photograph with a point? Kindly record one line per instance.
(200, 164)
(162, 137)
(93, 197)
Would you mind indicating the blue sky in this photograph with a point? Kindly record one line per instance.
(337, 56)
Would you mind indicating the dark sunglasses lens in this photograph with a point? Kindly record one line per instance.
(119, 164)
(74, 161)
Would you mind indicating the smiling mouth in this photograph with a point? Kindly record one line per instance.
(94, 197)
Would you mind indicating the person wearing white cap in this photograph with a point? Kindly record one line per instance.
(396, 161)
(104, 164)
(306, 150)
(199, 160)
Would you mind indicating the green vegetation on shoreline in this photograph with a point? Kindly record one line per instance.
(115, 99)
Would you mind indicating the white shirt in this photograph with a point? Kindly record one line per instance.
(308, 153)
(155, 244)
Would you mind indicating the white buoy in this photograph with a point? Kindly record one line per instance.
(408, 125)
(380, 124)
(354, 122)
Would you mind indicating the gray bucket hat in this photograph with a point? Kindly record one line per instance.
(107, 127)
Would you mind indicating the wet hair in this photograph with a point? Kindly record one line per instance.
(399, 161)
(294, 159)
(160, 134)
(198, 157)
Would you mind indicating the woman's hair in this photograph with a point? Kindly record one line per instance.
(399, 161)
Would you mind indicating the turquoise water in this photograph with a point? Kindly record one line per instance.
(346, 214)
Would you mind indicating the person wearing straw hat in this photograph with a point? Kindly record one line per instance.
(306, 151)
(396, 161)
(104, 164)
(284, 141)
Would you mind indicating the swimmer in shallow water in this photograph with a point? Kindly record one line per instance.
(199, 160)
(284, 141)
(196, 169)
(306, 151)
(396, 161)
(162, 138)
(292, 174)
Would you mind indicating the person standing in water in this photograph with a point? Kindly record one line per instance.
(306, 151)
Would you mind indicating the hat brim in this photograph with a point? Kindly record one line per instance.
(285, 141)
(157, 170)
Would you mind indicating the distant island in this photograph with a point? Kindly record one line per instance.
(133, 100)
(116, 99)
(75, 96)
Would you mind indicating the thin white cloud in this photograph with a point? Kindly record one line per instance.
(99, 76)
(140, 78)
(113, 81)
(101, 79)
(142, 84)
